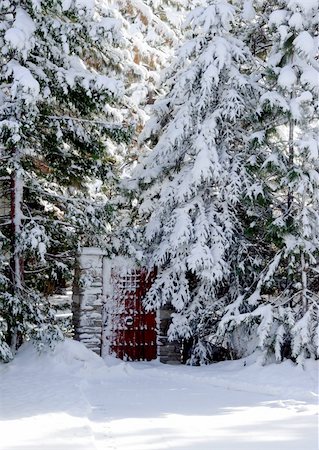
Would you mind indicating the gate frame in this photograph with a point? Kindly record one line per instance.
(92, 290)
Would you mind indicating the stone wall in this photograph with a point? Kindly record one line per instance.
(169, 352)
(88, 297)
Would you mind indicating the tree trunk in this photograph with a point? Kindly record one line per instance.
(291, 155)
(290, 196)
(304, 283)
(16, 254)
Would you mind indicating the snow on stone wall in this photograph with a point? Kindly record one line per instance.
(88, 298)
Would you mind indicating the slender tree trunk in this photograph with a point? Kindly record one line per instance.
(290, 196)
(291, 155)
(290, 200)
(304, 283)
(16, 255)
(304, 270)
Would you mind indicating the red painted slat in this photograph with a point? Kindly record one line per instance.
(133, 339)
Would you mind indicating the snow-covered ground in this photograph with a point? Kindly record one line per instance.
(73, 400)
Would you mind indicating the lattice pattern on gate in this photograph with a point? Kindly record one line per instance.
(132, 330)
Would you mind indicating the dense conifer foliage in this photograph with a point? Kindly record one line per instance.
(60, 109)
(218, 192)
(282, 305)
(230, 186)
(195, 176)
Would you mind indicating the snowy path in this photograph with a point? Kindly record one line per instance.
(151, 412)
(72, 401)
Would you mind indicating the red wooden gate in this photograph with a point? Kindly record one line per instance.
(132, 330)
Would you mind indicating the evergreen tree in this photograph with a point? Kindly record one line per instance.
(281, 306)
(60, 117)
(153, 29)
(193, 180)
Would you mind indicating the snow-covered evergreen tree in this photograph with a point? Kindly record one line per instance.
(59, 114)
(153, 28)
(281, 307)
(193, 180)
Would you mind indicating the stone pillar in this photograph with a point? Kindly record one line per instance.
(87, 298)
(169, 352)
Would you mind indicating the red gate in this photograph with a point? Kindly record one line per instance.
(132, 330)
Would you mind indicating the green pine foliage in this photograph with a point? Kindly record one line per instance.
(61, 116)
(259, 290)
(224, 200)
(193, 180)
(280, 306)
